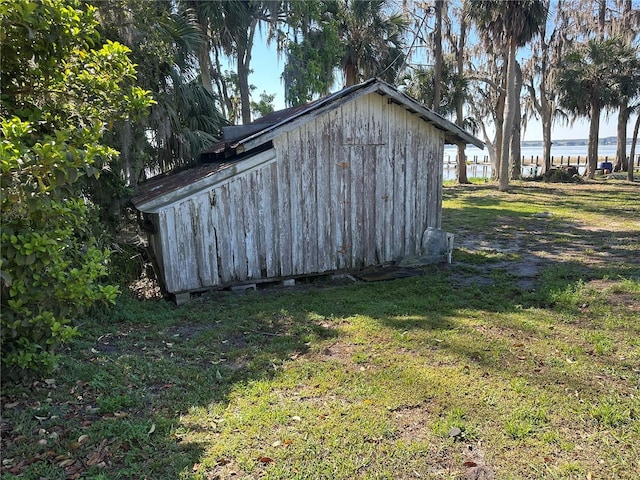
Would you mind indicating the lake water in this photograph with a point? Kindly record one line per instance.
(480, 167)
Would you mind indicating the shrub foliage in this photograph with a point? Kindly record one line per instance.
(62, 90)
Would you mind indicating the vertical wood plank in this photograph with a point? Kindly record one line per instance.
(284, 207)
(276, 223)
(347, 111)
(200, 237)
(387, 165)
(166, 231)
(295, 189)
(368, 205)
(381, 203)
(399, 168)
(225, 254)
(424, 146)
(434, 196)
(438, 154)
(379, 119)
(356, 201)
(344, 194)
(260, 219)
(187, 276)
(411, 174)
(238, 245)
(337, 189)
(309, 198)
(267, 221)
(214, 241)
(249, 223)
(324, 194)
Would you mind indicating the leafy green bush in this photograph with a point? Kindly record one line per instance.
(59, 97)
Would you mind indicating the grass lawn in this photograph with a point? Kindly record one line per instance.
(521, 360)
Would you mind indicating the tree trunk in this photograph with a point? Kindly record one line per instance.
(350, 74)
(621, 150)
(497, 144)
(244, 62)
(516, 152)
(602, 14)
(632, 154)
(592, 149)
(546, 137)
(437, 78)
(509, 113)
(204, 54)
(205, 67)
(243, 86)
(225, 103)
(461, 166)
(546, 106)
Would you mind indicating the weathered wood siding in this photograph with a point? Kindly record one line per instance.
(352, 187)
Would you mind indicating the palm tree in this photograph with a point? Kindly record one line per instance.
(632, 153)
(421, 83)
(357, 37)
(540, 70)
(229, 28)
(627, 88)
(372, 40)
(517, 22)
(185, 121)
(164, 41)
(626, 26)
(590, 81)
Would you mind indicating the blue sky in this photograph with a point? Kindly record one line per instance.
(267, 69)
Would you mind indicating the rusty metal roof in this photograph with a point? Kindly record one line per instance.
(171, 181)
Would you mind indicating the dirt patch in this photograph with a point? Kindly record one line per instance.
(412, 422)
(539, 241)
(340, 353)
(617, 299)
(225, 470)
(474, 464)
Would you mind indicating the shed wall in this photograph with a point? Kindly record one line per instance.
(353, 187)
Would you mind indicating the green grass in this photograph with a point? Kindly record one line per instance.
(533, 372)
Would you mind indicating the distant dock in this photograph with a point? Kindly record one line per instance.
(479, 166)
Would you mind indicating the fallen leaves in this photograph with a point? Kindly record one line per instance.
(283, 443)
(100, 455)
(74, 468)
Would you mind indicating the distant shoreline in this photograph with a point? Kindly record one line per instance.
(574, 142)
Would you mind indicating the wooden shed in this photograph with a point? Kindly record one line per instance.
(348, 181)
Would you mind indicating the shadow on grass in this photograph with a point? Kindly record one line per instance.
(140, 367)
(123, 386)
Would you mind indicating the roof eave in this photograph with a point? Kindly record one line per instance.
(453, 133)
